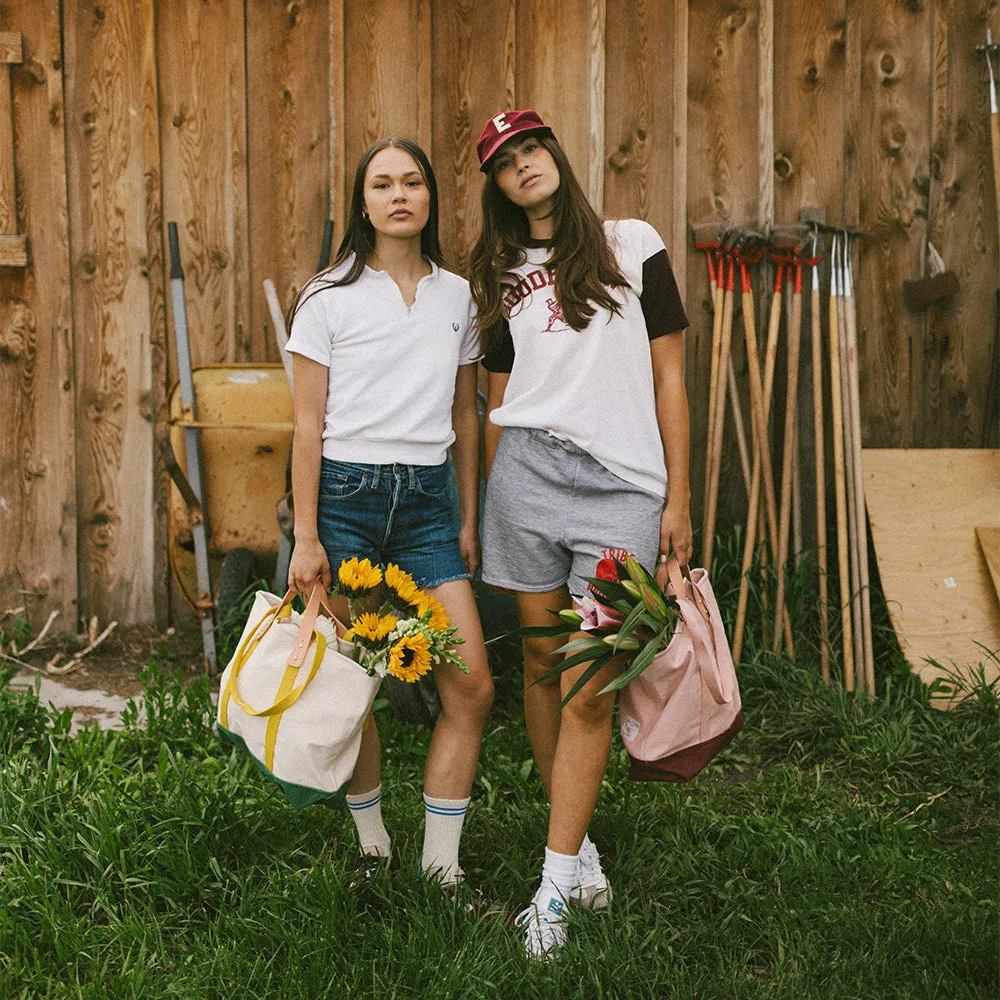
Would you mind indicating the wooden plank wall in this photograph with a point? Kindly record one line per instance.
(242, 120)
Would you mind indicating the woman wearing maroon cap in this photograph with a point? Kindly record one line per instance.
(583, 331)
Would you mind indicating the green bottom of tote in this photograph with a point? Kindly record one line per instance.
(299, 796)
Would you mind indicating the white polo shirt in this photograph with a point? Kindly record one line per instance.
(392, 367)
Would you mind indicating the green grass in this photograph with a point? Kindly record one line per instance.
(157, 863)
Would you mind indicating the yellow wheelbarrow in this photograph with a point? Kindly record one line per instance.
(243, 473)
(226, 445)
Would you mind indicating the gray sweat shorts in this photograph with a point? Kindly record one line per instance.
(550, 511)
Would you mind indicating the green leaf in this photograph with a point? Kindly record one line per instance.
(571, 661)
(631, 623)
(583, 642)
(541, 631)
(586, 676)
(607, 591)
(637, 666)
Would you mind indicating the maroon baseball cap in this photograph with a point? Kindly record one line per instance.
(499, 128)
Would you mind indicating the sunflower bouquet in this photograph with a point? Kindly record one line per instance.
(406, 633)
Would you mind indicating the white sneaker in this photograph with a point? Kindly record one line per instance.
(593, 891)
(544, 923)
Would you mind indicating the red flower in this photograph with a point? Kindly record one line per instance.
(607, 568)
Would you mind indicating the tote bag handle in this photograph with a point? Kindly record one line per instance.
(287, 695)
(705, 654)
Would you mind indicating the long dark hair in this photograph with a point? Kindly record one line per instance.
(359, 236)
(584, 266)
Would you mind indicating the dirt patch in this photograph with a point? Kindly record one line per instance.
(114, 666)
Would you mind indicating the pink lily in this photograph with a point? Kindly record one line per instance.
(595, 615)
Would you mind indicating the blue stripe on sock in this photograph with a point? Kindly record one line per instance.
(446, 810)
(367, 804)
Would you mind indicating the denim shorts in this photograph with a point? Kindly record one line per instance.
(551, 509)
(402, 514)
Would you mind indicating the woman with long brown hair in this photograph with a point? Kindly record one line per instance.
(583, 329)
(384, 370)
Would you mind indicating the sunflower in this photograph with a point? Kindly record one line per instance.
(359, 577)
(401, 584)
(439, 617)
(371, 626)
(410, 658)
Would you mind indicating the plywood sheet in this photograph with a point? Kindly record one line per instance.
(989, 542)
(924, 506)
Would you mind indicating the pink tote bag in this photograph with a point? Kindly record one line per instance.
(685, 706)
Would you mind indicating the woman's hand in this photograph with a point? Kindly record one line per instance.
(468, 545)
(309, 564)
(675, 531)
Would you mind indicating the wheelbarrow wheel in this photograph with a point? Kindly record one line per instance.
(238, 571)
(418, 703)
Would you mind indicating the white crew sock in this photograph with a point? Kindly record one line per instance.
(366, 811)
(560, 871)
(443, 819)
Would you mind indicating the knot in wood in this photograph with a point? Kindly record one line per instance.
(736, 20)
(887, 64)
(811, 74)
(43, 585)
(783, 166)
(293, 10)
(99, 14)
(894, 138)
(952, 191)
(35, 470)
(17, 336)
(88, 264)
(36, 71)
(218, 258)
(89, 119)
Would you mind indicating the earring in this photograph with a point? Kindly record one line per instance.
(364, 215)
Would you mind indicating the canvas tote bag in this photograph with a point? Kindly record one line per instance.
(685, 706)
(294, 700)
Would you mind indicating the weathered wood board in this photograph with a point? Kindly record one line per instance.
(924, 506)
(989, 543)
(38, 474)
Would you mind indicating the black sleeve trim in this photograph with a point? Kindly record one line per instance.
(661, 301)
(499, 356)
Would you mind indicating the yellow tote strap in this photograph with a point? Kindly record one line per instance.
(282, 700)
(249, 644)
(287, 696)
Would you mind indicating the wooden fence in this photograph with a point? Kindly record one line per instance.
(242, 120)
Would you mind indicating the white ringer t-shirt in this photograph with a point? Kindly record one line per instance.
(594, 386)
(392, 368)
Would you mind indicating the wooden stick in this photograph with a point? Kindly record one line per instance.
(719, 418)
(757, 407)
(751, 534)
(717, 284)
(852, 509)
(817, 372)
(38, 638)
(741, 434)
(791, 407)
(839, 472)
(859, 487)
